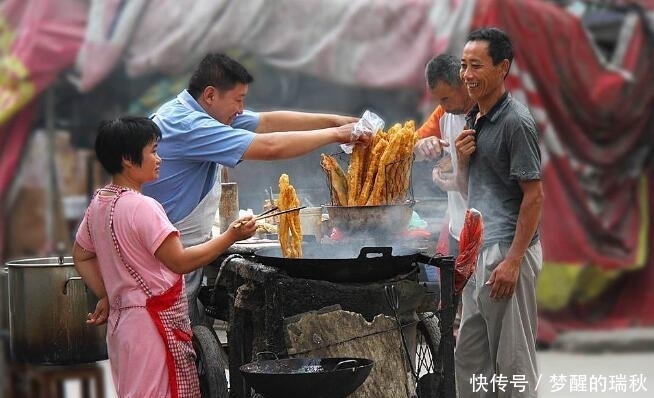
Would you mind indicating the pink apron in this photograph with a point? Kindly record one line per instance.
(169, 312)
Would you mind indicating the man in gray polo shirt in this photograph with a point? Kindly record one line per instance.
(499, 170)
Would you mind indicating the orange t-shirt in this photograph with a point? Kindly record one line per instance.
(432, 127)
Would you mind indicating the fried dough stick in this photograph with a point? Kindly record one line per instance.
(378, 194)
(289, 230)
(355, 172)
(337, 179)
(392, 178)
(379, 147)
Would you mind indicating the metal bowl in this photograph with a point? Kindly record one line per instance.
(370, 219)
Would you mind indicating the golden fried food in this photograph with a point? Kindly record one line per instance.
(337, 180)
(355, 175)
(394, 168)
(379, 147)
(377, 174)
(289, 229)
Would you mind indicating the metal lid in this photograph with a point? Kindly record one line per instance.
(42, 262)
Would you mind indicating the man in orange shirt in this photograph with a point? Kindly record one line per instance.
(440, 130)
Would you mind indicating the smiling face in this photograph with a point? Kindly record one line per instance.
(484, 81)
(148, 170)
(224, 106)
(151, 161)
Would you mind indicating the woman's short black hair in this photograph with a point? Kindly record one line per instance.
(220, 71)
(124, 138)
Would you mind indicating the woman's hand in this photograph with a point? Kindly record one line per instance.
(243, 228)
(101, 313)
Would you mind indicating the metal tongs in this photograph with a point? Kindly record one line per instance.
(270, 213)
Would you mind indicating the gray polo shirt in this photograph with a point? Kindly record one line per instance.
(507, 152)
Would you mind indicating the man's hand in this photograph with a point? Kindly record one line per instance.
(445, 181)
(345, 136)
(465, 145)
(504, 279)
(429, 148)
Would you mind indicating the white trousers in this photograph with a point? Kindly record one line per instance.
(495, 353)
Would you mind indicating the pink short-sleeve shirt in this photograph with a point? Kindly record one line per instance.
(136, 351)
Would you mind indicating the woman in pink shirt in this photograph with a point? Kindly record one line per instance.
(131, 257)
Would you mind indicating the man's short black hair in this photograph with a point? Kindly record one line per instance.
(499, 43)
(220, 71)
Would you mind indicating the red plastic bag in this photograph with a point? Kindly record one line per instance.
(470, 241)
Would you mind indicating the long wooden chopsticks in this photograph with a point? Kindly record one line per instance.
(271, 213)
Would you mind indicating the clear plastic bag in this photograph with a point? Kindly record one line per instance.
(369, 123)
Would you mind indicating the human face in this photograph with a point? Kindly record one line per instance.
(149, 168)
(224, 106)
(484, 81)
(453, 100)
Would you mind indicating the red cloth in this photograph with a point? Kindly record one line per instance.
(469, 244)
(48, 34)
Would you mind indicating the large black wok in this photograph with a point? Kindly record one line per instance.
(307, 377)
(337, 263)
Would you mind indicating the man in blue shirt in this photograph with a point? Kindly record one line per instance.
(206, 126)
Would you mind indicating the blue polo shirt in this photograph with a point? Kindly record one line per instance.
(193, 143)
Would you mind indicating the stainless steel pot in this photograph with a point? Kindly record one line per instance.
(382, 219)
(4, 299)
(48, 305)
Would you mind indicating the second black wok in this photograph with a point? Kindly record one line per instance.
(307, 377)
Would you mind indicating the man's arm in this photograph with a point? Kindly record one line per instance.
(299, 121)
(290, 144)
(465, 147)
(431, 127)
(505, 277)
(528, 218)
